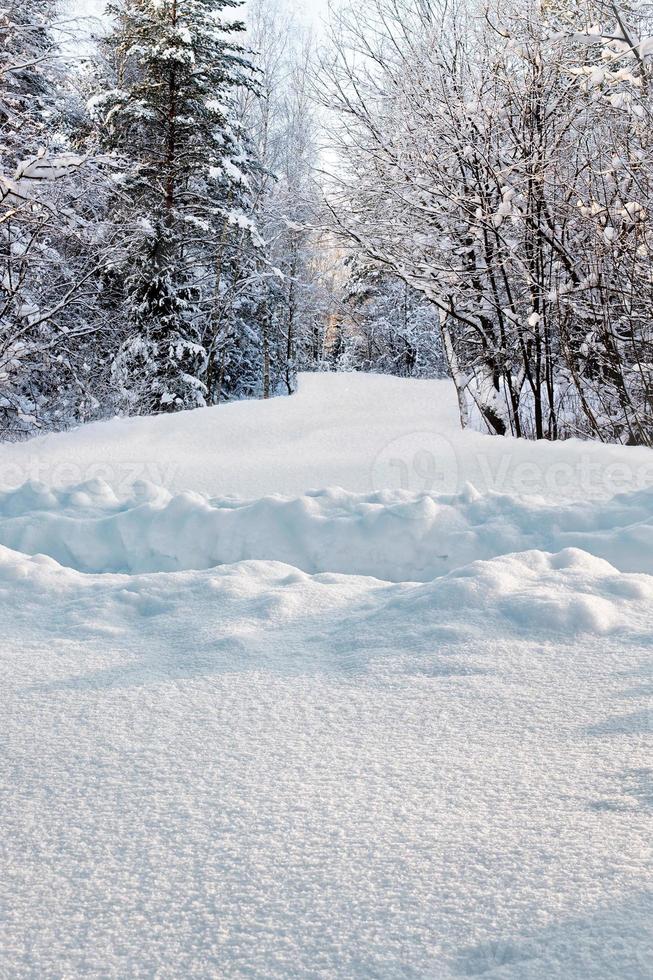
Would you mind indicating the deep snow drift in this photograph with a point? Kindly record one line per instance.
(392, 535)
(324, 739)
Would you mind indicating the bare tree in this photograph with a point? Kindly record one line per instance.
(465, 142)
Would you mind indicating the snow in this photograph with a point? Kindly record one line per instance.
(393, 535)
(335, 690)
(358, 433)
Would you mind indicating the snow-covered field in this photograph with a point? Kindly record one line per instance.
(325, 688)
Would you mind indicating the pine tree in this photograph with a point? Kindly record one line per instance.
(170, 116)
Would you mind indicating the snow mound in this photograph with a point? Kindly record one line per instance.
(539, 593)
(398, 729)
(249, 771)
(533, 592)
(392, 535)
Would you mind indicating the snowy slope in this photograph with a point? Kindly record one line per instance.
(270, 733)
(360, 433)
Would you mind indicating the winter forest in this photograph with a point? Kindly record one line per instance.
(200, 200)
(326, 489)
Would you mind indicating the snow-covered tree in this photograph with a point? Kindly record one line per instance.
(170, 117)
(46, 274)
(605, 320)
(473, 160)
(388, 327)
(284, 126)
(29, 81)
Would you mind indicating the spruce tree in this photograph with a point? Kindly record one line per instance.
(170, 116)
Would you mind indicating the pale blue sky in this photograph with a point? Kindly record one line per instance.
(313, 8)
(312, 12)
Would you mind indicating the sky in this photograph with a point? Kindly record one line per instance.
(313, 13)
(313, 9)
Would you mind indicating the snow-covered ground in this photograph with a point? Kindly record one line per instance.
(358, 433)
(325, 688)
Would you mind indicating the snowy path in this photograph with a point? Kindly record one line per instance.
(358, 433)
(253, 771)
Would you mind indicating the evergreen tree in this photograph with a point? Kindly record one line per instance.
(177, 66)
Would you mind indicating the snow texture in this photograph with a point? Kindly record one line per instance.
(359, 433)
(286, 737)
(393, 535)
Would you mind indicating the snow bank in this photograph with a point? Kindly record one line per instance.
(392, 535)
(533, 592)
(360, 432)
(542, 594)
